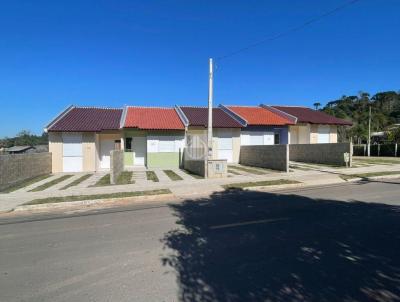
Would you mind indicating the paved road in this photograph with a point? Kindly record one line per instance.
(299, 245)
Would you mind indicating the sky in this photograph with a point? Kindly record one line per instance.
(155, 53)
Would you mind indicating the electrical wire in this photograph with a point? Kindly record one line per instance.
(290, 30)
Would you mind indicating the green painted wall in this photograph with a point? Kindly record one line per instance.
(163, 160)
(128, 158)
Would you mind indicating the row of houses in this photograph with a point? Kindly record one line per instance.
(81, 138)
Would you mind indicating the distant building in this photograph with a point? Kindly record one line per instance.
(26, 149)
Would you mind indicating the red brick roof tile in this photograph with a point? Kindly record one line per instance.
(259, 116)
(148, 118)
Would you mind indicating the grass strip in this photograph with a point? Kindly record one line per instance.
(366, 175)
(104, 181)
(376, 161)
(151, 175)
(172, 175)
(125, 178)
(242, 185)
(192, 174)
(233, 172)
(76, 181)
(25, 183)
(97, 196)
(50, 183)
(248, 170)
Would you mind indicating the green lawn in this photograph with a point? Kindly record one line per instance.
(172, 175)
(25, 183)
(125, 178)
(233, 172)
(366, 175)
(98, 196)
(76, 181)
(151, 175)
(251, 170)
(376, 160)
(104, 181)
(264, 183)
(50, 183)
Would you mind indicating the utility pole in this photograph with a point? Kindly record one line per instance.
(210, 113)
(369, 132)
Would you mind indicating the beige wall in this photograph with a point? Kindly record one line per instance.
(89, 151)
(313, 134)
(308, 134)
(333, 134)
(56, 150)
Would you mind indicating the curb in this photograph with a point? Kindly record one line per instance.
(93, 202)
(275, 187)
(373, 178)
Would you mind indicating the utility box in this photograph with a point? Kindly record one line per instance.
(217, 168)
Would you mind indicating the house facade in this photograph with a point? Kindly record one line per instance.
(152, 137)
(312, 126)
(260, 126)
(81, 138)
(226, 131)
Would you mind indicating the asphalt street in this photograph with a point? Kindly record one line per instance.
(331, 243)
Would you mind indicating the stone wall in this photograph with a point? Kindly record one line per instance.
(195, 166)
(330, 154)
(274, 157)
(116, 164)
(15, 168)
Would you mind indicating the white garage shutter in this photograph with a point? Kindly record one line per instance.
(72, 152)
(323, 134)
(256, 138)
(225, 145)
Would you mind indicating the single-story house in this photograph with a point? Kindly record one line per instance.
(226, 131)
(312, 126)
(152, 137)
(81, 138)
(261, 126)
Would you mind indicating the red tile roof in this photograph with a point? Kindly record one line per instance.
(148, 118)
(259, 116)
(307, 115)
(87, 119)
(198, 116)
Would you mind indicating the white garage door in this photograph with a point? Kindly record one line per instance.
(72, 152)
(225, 145)
(323, 134)
(106, 146)
(255, 138)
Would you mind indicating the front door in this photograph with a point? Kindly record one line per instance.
(106, 146)
(139, 150)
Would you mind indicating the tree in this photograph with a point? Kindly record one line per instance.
(317, 105)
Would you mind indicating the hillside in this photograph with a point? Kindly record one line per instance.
(385, 107)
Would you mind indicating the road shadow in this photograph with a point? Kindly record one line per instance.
(253, 246)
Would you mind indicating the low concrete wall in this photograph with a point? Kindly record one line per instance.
(116, 164)
(330, 154)
(15, 168)
(195, 166)
(274, 157)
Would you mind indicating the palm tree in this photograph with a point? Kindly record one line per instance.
(317, 105)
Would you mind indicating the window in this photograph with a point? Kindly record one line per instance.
(277, 139)
(128, 143)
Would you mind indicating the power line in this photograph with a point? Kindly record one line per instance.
(290, 30)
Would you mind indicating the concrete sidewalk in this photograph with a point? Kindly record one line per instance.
(189, 187)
